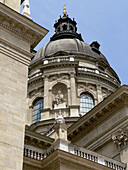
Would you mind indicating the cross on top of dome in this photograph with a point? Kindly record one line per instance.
(64, 10)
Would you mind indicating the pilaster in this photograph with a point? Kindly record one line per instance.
(73, 89)
(46, 92)
(99, 93)
(73, 97)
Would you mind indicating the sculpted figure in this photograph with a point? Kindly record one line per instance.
(59, 98)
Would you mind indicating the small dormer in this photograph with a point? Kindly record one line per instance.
(95, 46)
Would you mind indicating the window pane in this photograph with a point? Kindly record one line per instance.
(38, 105)
(86, 103)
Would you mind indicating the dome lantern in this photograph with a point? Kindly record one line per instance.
(65, 27)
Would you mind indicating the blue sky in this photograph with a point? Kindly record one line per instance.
(105, 21)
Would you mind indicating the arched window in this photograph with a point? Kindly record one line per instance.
(37, 106)
(58, 29)
(70, 28)
(64, 27)
(86, 103)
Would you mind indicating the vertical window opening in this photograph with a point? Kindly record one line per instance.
(37, 107)
(86, 103)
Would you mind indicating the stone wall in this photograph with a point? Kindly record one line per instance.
(14, 4)
(15, 57)
(13, 88)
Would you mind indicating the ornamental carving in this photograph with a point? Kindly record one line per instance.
(121, 138)
(59, 77)
(18, 28)
(87, 86)
(59, 96)
(105, 92)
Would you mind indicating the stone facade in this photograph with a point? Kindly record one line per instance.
(13, 4)
(15, 57)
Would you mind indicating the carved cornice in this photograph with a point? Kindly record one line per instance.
(98, 114)
(38, 140)
(60, 64)
(98, 77)
(21, 26)
(120, 138)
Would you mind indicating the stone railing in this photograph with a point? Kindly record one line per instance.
(86, 155)
(81, 152)
(96, 71)
(59, 59)
(93, 156)
(36, 155)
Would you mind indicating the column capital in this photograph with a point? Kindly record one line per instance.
(98, 85)
(45, 77)
(72, 75)
(121, 138)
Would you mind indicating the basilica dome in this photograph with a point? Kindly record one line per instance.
(67, 74)
(69, 46)
(66, 41)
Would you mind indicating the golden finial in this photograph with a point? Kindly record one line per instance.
(64, 10)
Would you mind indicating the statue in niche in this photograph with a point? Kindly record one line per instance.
(59, 101)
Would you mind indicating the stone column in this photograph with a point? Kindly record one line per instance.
(99, 94)
(73, 97)
(69, 97)
(46, 92)
(73, 89)
(29, 115)
(50, 98)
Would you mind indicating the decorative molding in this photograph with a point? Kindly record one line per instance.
(62, 64)
(59, 81)
(21, 26)
(38, 140)
(120, 138)
(35, 97)
(98, 114)
(98, 77)
(87, 87)
(17, 28)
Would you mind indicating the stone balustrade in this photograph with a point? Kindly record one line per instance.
(59, 59)
(78, 151)
(92, 156)
(113, 165)
(86, 155)
(36, 155)
(96, 71)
